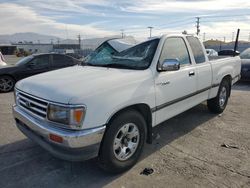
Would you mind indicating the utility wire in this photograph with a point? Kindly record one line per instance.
(221, 16)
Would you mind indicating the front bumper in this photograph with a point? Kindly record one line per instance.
(77, 145)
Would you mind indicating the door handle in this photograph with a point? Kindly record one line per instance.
(163, 83)
(191, 73)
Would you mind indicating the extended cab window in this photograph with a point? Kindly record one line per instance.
(196, 47)
(175, 48)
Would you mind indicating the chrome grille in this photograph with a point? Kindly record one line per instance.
(32, 104)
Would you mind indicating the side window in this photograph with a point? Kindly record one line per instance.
(58, 61)
(40, 62)
(197, 49)
(175, 48)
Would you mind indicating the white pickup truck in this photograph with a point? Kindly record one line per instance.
(107, 107)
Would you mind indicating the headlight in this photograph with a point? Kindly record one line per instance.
(71, 116)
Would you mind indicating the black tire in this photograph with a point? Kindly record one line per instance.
(214, 104)
(7, 84)
(107, 158)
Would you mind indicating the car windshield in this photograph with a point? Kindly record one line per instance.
(245, 54)
(137, 57)
(24, 60)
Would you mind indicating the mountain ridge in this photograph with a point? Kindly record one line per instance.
(27, 37)
(31, 37)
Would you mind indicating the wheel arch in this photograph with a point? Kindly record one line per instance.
(144, 110)
(9, 76)
(228, 78)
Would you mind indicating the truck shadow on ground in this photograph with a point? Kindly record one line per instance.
(242, 86)
(25, 164)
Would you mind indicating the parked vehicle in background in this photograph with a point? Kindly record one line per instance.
(211, 52)
(32, 65)
(228, 53)
(2, 63)
(75, 55)
(2, 60)
(245, 64)
(111, 115)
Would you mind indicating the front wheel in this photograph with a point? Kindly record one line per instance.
(123, 142)
(6, 84)
(219, 103)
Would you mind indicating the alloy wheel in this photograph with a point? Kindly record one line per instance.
(223, 96)
(126, 141)
(6, 84)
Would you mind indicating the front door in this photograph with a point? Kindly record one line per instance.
(174, 89)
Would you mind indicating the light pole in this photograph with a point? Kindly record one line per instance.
(122, 31)
(198, 25)
(204, 37)
(150, 31)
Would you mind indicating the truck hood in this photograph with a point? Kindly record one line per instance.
(79, 81)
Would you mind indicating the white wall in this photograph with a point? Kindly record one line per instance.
(41, 48)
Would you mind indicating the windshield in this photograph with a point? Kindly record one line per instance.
(102, 52)
(137, 57)
(245, 54)
(24, 60)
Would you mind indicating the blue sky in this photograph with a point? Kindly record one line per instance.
(98, 18)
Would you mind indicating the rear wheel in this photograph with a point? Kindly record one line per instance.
(219, 103)
(123, 142)
(6, 84)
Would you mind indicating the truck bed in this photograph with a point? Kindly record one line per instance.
(225, 65)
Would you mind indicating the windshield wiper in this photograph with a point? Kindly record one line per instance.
(128, 58)
(112, 65)
(116, 65)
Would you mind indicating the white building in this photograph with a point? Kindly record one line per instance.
(34, 48)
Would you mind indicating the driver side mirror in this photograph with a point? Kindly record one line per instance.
(170, 65)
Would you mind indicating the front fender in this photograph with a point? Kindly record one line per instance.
(101, 106)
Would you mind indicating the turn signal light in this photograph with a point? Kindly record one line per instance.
(55, 138)
(78, 115)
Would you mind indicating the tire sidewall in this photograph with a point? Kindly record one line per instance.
(107, 155)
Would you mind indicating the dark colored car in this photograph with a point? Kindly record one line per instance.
(74, 55)
(32, 65)
(245, 65)
(228, 53)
